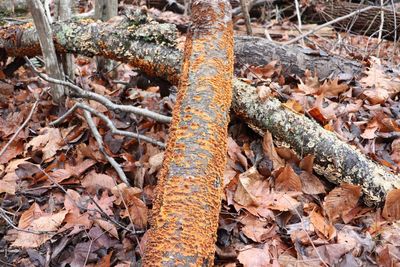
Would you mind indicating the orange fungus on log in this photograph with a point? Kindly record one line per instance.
(187, 204)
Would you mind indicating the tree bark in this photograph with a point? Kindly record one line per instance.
(188, 194)
(366, 23)
(122, 42)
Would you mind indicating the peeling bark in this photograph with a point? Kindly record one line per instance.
(188, 194)
(150, 46)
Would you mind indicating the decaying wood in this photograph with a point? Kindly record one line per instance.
(188, 194)
(135, 41)
(334, 159)
(366, 23)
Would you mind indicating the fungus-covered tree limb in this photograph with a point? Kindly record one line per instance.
(334, 159)
(150, 46)
(188, 194)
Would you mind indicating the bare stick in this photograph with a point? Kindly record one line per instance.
(79, 92)
(298, 18)
(99, 140)
(44, 31)
(330, 23)
(64, 116)
(380, 30)
(21, 127)
(246, 16)
(114, 130)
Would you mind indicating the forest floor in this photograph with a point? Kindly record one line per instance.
(61, 202)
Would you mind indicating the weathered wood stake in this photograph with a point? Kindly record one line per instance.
(186, 209)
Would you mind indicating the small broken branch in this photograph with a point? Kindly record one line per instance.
(97, 136)
(114, 130)
(365, 23)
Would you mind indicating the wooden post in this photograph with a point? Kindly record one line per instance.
(186, 209)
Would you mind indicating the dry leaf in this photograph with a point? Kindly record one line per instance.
(137, 211)
(235, 153)
(323, 227)
(47, 222)
(391, 210)
(288, 180)
(49, 141)
(95, 180)
(269, 150)
(341, 200)
(252, 257)
(108, 227)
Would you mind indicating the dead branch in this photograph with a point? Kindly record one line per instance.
(157, 56)
(384, 179)
(114, 130)
(99, 140)
(334, 159)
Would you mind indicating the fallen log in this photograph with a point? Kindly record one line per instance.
(136, 39)
(164, 61)
(365, 23)
(334, 159)
(188, 193)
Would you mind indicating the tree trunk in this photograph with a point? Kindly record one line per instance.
(366, 23)
(188, 194)
(124, 43)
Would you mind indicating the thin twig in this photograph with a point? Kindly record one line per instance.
(114, 130)
(79, 92)
(330, 23)
(99, 140)
(308, 235)
(64, 116)
(299, 18)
